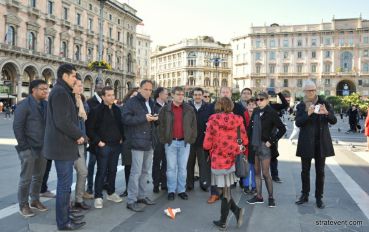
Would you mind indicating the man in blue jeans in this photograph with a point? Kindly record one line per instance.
(62, 136)
(177, 130)
(105, 130)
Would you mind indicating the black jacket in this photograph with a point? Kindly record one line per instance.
(93, 102)
(62, 128)
(308, 126)
(202, 116)
(105, 127)
(279, 107)
(29, 124)
(238, 109)
(139, 130)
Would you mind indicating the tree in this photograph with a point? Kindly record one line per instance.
(356, 99)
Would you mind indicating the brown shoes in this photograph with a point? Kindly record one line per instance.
(212, 199)
(26, 211)
(38, 205)
(87, 195)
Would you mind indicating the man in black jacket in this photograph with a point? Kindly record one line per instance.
(138, 116)
(196, 150)
(62, 136)
(29, 130)
(312, 116)
(105, 131)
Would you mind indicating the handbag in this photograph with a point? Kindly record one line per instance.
(241, 164)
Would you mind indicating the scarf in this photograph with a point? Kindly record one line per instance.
(309, 103)
(256, 131)
(81, 108)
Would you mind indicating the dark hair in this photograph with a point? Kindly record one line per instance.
(35, 84)
(251, 100)
(158, 91)
(79, 77)
(106, 88)
(83, 98)
(224, 105)
(263, 94)
(244, 89)
(65, 68)
(198, 89)
(145, 82)
(177, 89)
(129, 94)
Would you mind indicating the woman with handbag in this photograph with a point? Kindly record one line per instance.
(221, 140)
(267, 128)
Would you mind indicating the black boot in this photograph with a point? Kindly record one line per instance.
(319, 203)
(224, 210)
(238, 212)
(303, 199)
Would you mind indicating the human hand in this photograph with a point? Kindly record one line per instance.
(101, 144)
(80, 140)
(323, 110)
(311, 110)
(267, 144)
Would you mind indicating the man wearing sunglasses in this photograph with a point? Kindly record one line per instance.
(206, 97)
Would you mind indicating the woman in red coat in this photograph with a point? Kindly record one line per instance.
(367, 127)
(221, 140)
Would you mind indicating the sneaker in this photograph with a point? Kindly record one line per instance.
(26, 211)
(38, 205)
(124, 194)
(98, 203)
(277, 179)
(135, 207)
(171, 196)
(271, 202)
(246, 190)
(255, 200)
(114, 197)
(146, 201)
(48, 194)
(87, 195)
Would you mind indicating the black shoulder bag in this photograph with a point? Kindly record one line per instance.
(242, 165)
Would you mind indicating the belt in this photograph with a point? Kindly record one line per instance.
(181, 139)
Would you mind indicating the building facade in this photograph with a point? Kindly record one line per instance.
(39, 35)
(333, 54)
(200, 62)
(143, 52)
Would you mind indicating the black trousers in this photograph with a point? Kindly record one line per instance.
(46, 176)
(204, 166)
(305, 176)
(159, 166)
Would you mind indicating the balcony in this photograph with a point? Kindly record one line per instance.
(33, 11)
(78, 28)
(65, 23)
(90, 33)
(13, 3)
(51, 18)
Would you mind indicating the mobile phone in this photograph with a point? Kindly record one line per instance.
(316, 109)
(155, 115)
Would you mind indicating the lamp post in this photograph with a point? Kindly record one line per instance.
(216, 61)
(99, 80)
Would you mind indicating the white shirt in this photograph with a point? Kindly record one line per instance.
(148, 107)
(197, 105)
(98, 97)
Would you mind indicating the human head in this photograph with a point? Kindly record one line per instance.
(146, 89)
(98, 88)
(309, 88)
(131, 93)
(251, 104)
(68, 74)
(224, 104)
(206, 96)
(78, 87)
(246, 94)
(39, 89)
(178, 95)
(226, 91)
(198, 95)
(107, 94)
(262, 99)
(161, 93)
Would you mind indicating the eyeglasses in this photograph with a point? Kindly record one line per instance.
(260, 99)
(206, 96)
(43, 89)
(310, 90)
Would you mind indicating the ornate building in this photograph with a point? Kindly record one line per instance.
(39, 35)
(143, 53)
(334, 54)
(199, 62)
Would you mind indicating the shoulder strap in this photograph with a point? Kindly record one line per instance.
(239, 140)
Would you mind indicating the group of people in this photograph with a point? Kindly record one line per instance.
(159, 140)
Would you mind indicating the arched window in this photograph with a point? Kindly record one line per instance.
(10, 36)
(207, 82)
(129, 63)
(89, 53)
(128, 37)
(48, 45)
(224, 82)
(216, 82)
(109, 59)
(64, 49)
(31, 41)
(78, 53)
(118, 63)
(131, 42)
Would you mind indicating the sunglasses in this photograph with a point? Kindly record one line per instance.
(260, 99)
(206, 96)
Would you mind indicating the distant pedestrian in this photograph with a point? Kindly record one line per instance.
(7, 112)
(353, 114)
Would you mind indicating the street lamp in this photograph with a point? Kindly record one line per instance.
(99, 80)
(216, 61)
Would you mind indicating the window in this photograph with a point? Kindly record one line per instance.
(285, 55)
(31, 41)
(78, 19)
(360, 82)
(342, 42)
(79, 2)
(299, 43)
(118, 36)
(129, 63)
(77, 54)
(63, 50)
(366, 39)
(366, 53)
(327, 41)
(271, 83)
(285, 82)
(10, 36)
(90, 24)
(48, 45)
(299, 55)
(33, 3)
(257, 82)
(313, 54)
(90, 7)
(299, 68)
(313, 68)
(313, 42)
(65, 13)
(257, 43)
(327, 68)
(285, 68)
(285, 43)
(110, 32)
(327, 82)
(272, 55)
(272, 43)
(327, 54)
(272, 68)
(109, 59)
(258, 68)
(118, 21)
(258, 56)
(299, 82)
(110, 17)
(365, 67)
(50, 7)
(89, 53)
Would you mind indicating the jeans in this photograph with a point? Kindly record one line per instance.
(107, 161)
(64, 171)
(159, 166)
(46, 176)
(250, 177)
(91, 169)
(177, 154)
(81, 169)
(140, 174)
(305, 176)
(32, 170)
(204, 166)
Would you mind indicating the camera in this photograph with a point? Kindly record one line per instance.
(316, 109)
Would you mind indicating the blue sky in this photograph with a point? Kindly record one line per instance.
(169, 21)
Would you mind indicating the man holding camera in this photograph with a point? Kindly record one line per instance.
(312, 116)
